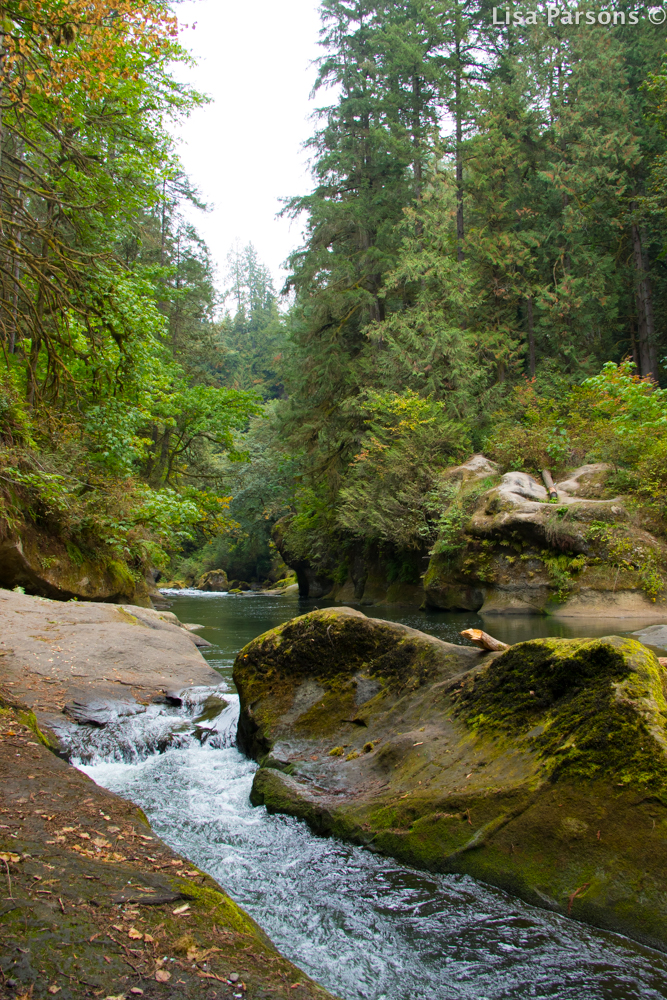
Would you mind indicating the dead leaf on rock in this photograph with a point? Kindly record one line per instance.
(135, 934)
(162, 976)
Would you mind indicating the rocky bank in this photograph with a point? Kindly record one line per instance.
(542, 769)
(94, 904)
(47, 566)
(504, 547)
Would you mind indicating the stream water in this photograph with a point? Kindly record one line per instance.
(364, 926)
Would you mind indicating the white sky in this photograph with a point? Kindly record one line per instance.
(244, 151)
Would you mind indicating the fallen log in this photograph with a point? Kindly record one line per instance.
(549, 483)
(483, 640)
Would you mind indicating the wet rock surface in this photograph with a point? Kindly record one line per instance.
(94, 904)
(542, 770)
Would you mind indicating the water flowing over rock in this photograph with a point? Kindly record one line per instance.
(542, 769)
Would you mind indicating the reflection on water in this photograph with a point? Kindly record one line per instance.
(232, 621)
(366, 927)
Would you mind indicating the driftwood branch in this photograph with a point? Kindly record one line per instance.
(549, 483)
(483, 640)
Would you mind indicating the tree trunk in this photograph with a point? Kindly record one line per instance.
(531, 337)
(13, 337)
(416, 134)
(644, 298)
(458, 114)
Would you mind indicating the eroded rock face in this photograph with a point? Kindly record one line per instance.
(522, 554)
(542, 769)
(46, 567)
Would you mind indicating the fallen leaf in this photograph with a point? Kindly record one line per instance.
(181, 909)
(149, 938)
(113, 829)
(135, 934)
(294, 986)
(67, 829)
(137, 991)
(162, 976)
(414, 745)
(84, 836)
(107, 959)
(8, 856)
(144, 838)
(118, 927)
(54, 989)
(101, 842)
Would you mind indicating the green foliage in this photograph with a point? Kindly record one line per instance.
(405, 439)
(615, 417)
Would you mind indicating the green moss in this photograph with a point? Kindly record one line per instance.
(598, 706)
(28, 719)
(121, 576)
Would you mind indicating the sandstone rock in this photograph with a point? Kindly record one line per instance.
(94, 655)
(542, 769)
(521, 554)
(586, 481)
(213, 581)
(47, 567)
(655, 635)
(476, 468)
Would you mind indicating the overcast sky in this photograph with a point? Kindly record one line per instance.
(244, 150)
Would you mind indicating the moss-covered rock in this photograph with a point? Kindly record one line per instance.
(47, 566)
(508, 550)
(542, 769)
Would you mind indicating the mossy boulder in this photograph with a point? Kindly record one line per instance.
(214, 581)
(542, 769)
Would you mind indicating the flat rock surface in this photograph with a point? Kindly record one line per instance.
(54, 652)
(654, 635)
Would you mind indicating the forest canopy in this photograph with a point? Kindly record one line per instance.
(483, 269)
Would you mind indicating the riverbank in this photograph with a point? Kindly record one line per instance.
(94, 900)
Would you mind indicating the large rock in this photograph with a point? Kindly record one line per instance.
(542, 769)
(47, 566)
(215, 581)
(521, 554)
(55, 653)
(314, 577)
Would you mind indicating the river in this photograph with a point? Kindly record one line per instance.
(365, 926)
